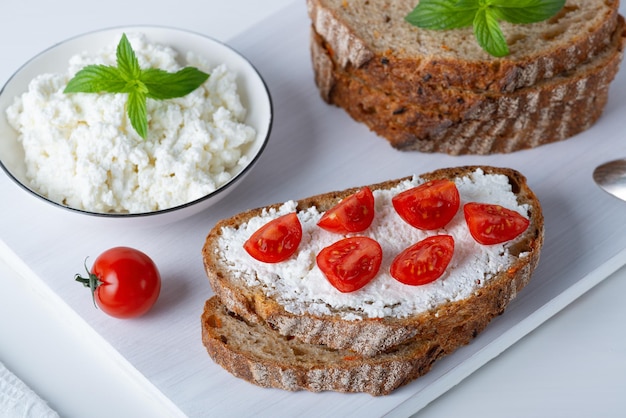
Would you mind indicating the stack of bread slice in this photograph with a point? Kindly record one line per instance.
(253, 333)
(438, 91)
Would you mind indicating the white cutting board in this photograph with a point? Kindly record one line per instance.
(316, 148)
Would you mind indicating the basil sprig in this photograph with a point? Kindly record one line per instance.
(484, 16)
(139, 84)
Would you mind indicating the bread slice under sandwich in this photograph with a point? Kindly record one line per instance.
(479, 123)
(258, 354)
(251, 297)
(374, 38)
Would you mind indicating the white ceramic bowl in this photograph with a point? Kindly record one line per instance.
(252, 90)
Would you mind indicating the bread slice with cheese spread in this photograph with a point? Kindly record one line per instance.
(373, 38)
(295, 300)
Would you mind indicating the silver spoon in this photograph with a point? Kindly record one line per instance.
(611, 177)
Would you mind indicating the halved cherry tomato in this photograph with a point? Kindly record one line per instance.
(355, 213)
(428, 206)
(423, 262)
(351, 263)
(124, 282)
(493, 224)
(277, 240)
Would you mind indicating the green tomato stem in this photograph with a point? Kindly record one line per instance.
(92, 282)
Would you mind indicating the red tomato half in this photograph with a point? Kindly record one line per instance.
(277, 240)
(428, 206)
(351, 263)
(423, 262)
(125, 282)
(493, 224)
(355, 213)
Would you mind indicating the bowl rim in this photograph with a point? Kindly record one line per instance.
(220, 190)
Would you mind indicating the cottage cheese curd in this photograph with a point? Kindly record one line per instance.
(81, 150)
(299, 285)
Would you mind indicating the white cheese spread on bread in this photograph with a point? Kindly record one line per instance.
(301, 288)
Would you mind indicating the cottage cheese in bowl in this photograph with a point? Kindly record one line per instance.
(79, 150)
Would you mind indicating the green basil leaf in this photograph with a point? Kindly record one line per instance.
(163, 85)
(137, 113)
(127, 60)
(467, 4)
(488, 33)
(484, 15)
(443, 14)
(139, 84)
(96, 79)
(526, 11)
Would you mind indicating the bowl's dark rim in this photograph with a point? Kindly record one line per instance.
(219, 190)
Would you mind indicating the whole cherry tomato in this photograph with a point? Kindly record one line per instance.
(428, 206)
(351, 263)
(277, 240)
(423, 262)
(493, 224)
(124, 282)
(355, 213)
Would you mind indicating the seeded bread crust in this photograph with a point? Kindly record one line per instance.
(369, 337)
(374, 38)
(472, 123)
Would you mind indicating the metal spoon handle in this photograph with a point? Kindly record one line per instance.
(611, 177)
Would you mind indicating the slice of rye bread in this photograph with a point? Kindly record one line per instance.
(456, 104)
(370, 336)
(551, 111)
(374, 38)
(258, 354)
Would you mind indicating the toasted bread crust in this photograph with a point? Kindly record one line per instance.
(463, 122)
(257, 354)
(374, 39)
(369, 337)
(456, 104)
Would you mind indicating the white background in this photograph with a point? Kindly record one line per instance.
(574, 365)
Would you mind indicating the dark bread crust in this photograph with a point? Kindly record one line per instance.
(457, 104)
(268, 359)
(465, 122)
(481, 73)
(369, 337)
